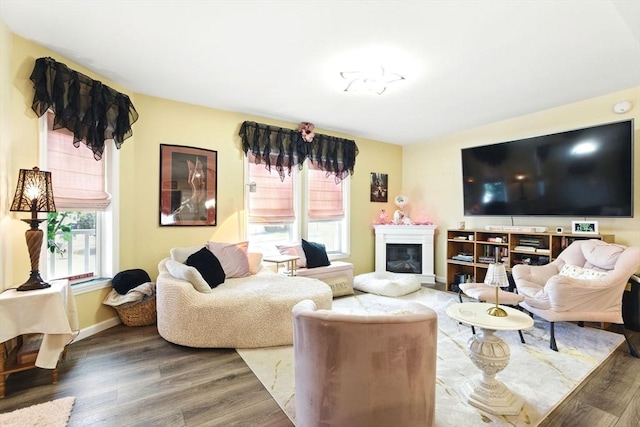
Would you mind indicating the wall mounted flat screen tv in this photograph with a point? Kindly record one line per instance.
(580, 173)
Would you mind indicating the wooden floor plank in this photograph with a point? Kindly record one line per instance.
(131, 376)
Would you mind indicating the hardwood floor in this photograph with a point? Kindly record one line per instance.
(130, 376)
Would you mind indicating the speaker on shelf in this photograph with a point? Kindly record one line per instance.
(559, 230)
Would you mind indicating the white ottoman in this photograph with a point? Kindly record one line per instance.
(386, 283)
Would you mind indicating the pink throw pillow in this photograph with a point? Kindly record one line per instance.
(294, 249)
(233, 258)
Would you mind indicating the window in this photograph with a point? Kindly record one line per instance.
(307, 204)
(326, 219)
(78, 245)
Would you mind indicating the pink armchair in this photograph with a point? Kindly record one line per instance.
(585, 283)
(365, 370)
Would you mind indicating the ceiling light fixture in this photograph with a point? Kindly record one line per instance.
(374, 80)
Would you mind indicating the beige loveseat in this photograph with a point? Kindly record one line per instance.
(243, 312)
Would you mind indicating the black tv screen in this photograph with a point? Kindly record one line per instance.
(582, 173)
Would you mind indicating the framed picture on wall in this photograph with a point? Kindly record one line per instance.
(379, 187)
(188, 185)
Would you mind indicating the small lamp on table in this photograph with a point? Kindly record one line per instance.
(496, 277)
(34, 194)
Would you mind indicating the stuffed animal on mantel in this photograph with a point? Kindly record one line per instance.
(400, 216)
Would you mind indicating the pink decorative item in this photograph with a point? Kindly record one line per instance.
(383, 217)
(306, 129)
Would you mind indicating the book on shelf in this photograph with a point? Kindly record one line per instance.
(465, 258)
(543, 251)
(523, 248)
(531, 241)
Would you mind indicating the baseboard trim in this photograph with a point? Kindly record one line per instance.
(98, 327)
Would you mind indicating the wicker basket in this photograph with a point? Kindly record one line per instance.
(138, 313)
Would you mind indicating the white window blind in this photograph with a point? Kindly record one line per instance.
(78, 179)
(273, 199)
(325, 196)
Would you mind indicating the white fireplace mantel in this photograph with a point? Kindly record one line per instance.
(422, 235)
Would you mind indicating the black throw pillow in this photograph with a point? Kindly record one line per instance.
(316, 254)
(208, 265)
(126, 280)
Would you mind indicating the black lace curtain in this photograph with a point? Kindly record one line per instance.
(283, 149)
(94, 112)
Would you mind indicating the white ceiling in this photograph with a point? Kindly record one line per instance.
(465, 63)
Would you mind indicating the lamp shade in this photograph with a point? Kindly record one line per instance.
(496, 275)
(33, 192)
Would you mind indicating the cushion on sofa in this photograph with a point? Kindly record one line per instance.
(315, 253)
(294, 249)
(190, 274)
(208, 266)
(233, 258)
(181, 254)
(255, 262)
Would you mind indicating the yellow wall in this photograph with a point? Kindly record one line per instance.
(6, 270)
(436, 185)
(142, 241)
(169, 122)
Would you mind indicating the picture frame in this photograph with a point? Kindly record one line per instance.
(584, 227)
(379, 187)
(188, 186)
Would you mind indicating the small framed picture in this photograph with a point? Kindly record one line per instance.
(379, 187)
(584, 227)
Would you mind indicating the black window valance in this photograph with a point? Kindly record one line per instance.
(283, 149)
(94, 112)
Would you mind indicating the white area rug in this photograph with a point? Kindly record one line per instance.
(54, 413)
(540, 375)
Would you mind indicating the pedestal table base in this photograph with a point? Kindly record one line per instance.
(491, 355)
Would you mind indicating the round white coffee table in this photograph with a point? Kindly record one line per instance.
(490, 354)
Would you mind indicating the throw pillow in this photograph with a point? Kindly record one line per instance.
(294, 249)
(181, 254)
(208, 266)
(340, 285)
(255, 262)
(578, 272)
(126, 280)
(190, 274)
(316, 254)
(233, 258)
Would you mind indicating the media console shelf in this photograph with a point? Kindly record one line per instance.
(469, 252)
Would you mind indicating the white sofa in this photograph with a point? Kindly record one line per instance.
(244, 312)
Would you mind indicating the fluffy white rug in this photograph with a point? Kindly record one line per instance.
(541, 376)
(54, 413)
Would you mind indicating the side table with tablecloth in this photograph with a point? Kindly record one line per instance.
(51, 312)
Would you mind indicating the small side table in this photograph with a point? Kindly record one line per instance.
(490, 354)
(51, 311)
(290, 262)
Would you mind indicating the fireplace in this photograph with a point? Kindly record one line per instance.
(404, 258)
(406, 249)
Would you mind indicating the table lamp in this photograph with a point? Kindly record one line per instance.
(33, 194)
(496, 277)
